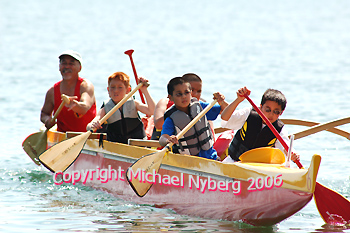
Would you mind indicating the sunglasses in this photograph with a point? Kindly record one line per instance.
(274, 111)
(179, 94)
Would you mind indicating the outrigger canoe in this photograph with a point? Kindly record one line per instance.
(255, 192)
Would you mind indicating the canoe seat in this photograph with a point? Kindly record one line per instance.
(220, 130)
(70, 134)
(263, 155)
(144, 143)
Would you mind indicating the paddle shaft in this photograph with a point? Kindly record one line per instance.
(120, 103)
(194, 121)
(129, 53)
(272, 128)
(65, 100)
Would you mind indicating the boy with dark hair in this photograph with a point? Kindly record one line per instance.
(165, 103)
(196, 84)
(198, 140)
(252, 131)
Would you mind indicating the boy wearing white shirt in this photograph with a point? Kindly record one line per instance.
(252, 131)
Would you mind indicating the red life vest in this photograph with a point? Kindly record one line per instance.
(69, 120)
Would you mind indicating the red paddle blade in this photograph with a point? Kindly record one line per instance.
(333, 207)
(223, 142)
(129, 52)
(148, 124)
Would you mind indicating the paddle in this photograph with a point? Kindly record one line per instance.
(36, 143)
(152, 162)
(147, 120)
(129, 53)
(333, 207)
(60, 156)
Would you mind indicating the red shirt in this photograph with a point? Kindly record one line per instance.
(69, 120)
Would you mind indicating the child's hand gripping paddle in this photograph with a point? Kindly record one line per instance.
(151, 163)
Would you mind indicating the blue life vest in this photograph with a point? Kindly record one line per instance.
(199, 137)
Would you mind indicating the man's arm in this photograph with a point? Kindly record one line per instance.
(47, 109)
(87, 98)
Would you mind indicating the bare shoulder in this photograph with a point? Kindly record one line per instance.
(86, 86)
(163, 102)
(86, 83)
(50, 94)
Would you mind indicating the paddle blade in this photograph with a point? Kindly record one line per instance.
(34, 145)
(333, 207)
(222, 143)
(62, 155)
(148, 124)
(141, 174)
(263, 155)
(129, 52)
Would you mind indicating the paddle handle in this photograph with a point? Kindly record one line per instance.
(129, 53)
(272, 128)
(194, 121)
(65, 101)
(116, 107)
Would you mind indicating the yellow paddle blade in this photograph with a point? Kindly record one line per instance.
(263, 155)
(34, 145)
(142, 174)
(62, 155)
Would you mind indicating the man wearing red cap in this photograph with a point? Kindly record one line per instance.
(82, 107)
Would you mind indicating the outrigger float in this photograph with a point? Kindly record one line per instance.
(258, 193)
